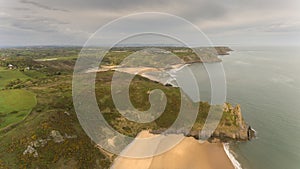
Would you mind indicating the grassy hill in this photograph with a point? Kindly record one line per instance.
(6, 76)
(15, 105)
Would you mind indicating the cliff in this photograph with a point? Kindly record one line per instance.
(223, 50)
(232, 127)
(207, 54)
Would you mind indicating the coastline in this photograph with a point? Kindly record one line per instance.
(223, 151)
(231, 157)
(189, 153)
(146, 72)
(219, 152)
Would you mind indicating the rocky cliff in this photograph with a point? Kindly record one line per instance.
(232, 127)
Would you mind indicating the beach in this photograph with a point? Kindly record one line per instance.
(188, 154)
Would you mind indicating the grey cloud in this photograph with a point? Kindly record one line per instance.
(191, 9)
(203, 10)
(42, 5)
(21, 9)
(37, 24)
(48, 20)
(277, 27)
(34, 27)
(129, 5)
(234, 17)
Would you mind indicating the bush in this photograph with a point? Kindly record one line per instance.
(13, 112)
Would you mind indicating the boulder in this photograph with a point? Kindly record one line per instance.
(31, 150)
(56, 136)
(39, 143)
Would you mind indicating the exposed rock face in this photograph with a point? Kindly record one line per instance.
(39, 143)
(231, 127)
(56, 136)
(70, 136)
(238, 114)
(31, 150)
(250, 133)
(223, 50)
(67, 113)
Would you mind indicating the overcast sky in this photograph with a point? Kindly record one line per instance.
(225, 22)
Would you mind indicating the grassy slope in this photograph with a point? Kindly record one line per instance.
(8, 75)
(54, 98)
(15, 105)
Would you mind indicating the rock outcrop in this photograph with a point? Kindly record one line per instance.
(31, 150)
(54, 135)
(32, 147)
(223, 50)
(231, 127)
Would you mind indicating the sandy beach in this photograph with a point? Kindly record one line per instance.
(188, 154)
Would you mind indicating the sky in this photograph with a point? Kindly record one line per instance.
(224, 22)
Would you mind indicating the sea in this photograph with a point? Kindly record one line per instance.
(265, 81)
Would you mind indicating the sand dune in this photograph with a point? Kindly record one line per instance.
(188, 154)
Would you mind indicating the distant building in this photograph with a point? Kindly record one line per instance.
(180, 50)
(120, 51)
(164, 52)
(10, 66)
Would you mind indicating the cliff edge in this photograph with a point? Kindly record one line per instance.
(233, 125)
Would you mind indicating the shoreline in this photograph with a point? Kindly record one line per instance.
(234, 161)
(223, 151)
(189, 153)
(144, 71)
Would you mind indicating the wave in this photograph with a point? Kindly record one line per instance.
(239, 62)
(173, 75)
(235, 163)
(172, 72)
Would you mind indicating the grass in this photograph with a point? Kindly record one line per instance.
(54, 98)
(34, 74)
(15, 106)
(7, 76)
(140, 99)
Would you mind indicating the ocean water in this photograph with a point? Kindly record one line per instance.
(265, 81)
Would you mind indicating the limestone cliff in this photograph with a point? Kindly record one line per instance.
(233, 125)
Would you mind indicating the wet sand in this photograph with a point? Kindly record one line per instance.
(188, 154)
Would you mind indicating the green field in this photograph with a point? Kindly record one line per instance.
(7, 76)
(15, 105)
